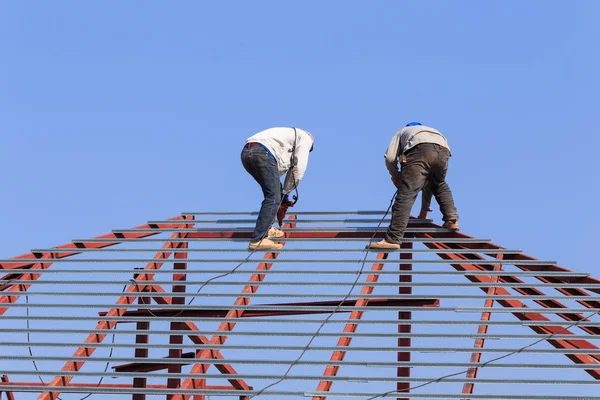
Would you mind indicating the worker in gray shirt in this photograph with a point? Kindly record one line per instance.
(423, 153)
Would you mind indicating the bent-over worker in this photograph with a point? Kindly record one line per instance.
(423, 153)
(267, 156)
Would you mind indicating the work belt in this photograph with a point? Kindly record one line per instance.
(252, 144)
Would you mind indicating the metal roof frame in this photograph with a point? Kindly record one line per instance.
(144, 301)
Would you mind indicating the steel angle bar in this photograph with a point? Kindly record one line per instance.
(305, 308)
(315, 229)
(313, 377)
(289, 239)
(312, 348)
(368, 212)
(309, 334)
(280, 393)
(283, 250)
(299, 272)
(6, 262)
(321, 283)
(366, 364)
(271, 320)
(313, 296)
(302, 221)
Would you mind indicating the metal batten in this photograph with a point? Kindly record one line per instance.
(294, 230)
(300, 284)
(369, 364)
(286, 240)
(572, 331)
(271, 320)
(305, 334)
(212, 392)
(284, 250)
(295, 221)
(333, 212)
(413, 349)
(150, 295)
(301, 272)
(271, 261)
(304, 308)
(309, 377)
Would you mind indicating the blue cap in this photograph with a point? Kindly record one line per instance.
(413, 123)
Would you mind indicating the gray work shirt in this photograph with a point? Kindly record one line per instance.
(407, 138)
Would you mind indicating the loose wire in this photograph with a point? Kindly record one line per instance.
(313, 337)
(35, 364)
(485, 364)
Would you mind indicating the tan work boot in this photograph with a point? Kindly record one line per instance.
(451, 225)
(383, 245)
(275, 233)
(265, 244)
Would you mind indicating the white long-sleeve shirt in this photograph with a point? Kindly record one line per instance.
(407, 138)
(280, 142)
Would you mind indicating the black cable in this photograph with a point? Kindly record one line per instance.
(485, 364)
(35, 364)
(313, 337)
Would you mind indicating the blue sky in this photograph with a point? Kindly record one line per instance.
(114, 113)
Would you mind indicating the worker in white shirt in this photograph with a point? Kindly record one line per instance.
(423, 153)
(267, 156)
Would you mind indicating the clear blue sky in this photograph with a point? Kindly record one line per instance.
(113, 113)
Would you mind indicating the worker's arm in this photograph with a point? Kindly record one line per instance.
(391, 159)
(299, 164)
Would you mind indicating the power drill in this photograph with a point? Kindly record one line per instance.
(283, 207)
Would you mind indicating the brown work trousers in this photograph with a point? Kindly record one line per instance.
(426, 164)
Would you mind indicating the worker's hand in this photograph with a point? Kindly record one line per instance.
(285, 202)
(396, 181)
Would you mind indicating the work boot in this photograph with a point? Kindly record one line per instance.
(264, 244)
(275, 233)
(451, 225)
(383, 245)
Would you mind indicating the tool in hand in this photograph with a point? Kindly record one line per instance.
(283, 207)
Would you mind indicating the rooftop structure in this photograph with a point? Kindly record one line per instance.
(180, 308)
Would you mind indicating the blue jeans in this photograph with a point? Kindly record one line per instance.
(263, 168)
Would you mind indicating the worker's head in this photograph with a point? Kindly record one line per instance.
(413, 123)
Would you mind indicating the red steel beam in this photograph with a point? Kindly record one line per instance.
(176, 352)
(92, 245)
(404, 372)
(149, 367)
(484, 281)
(516, 257)
(87, 351)
(14, 287)
(482, 330)
(108, 385)
(199, 339)
(141, 338)
(5, 382)
(571, 317)
(345, 341)
(21, 287)
(233, 313)
(435, 235)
